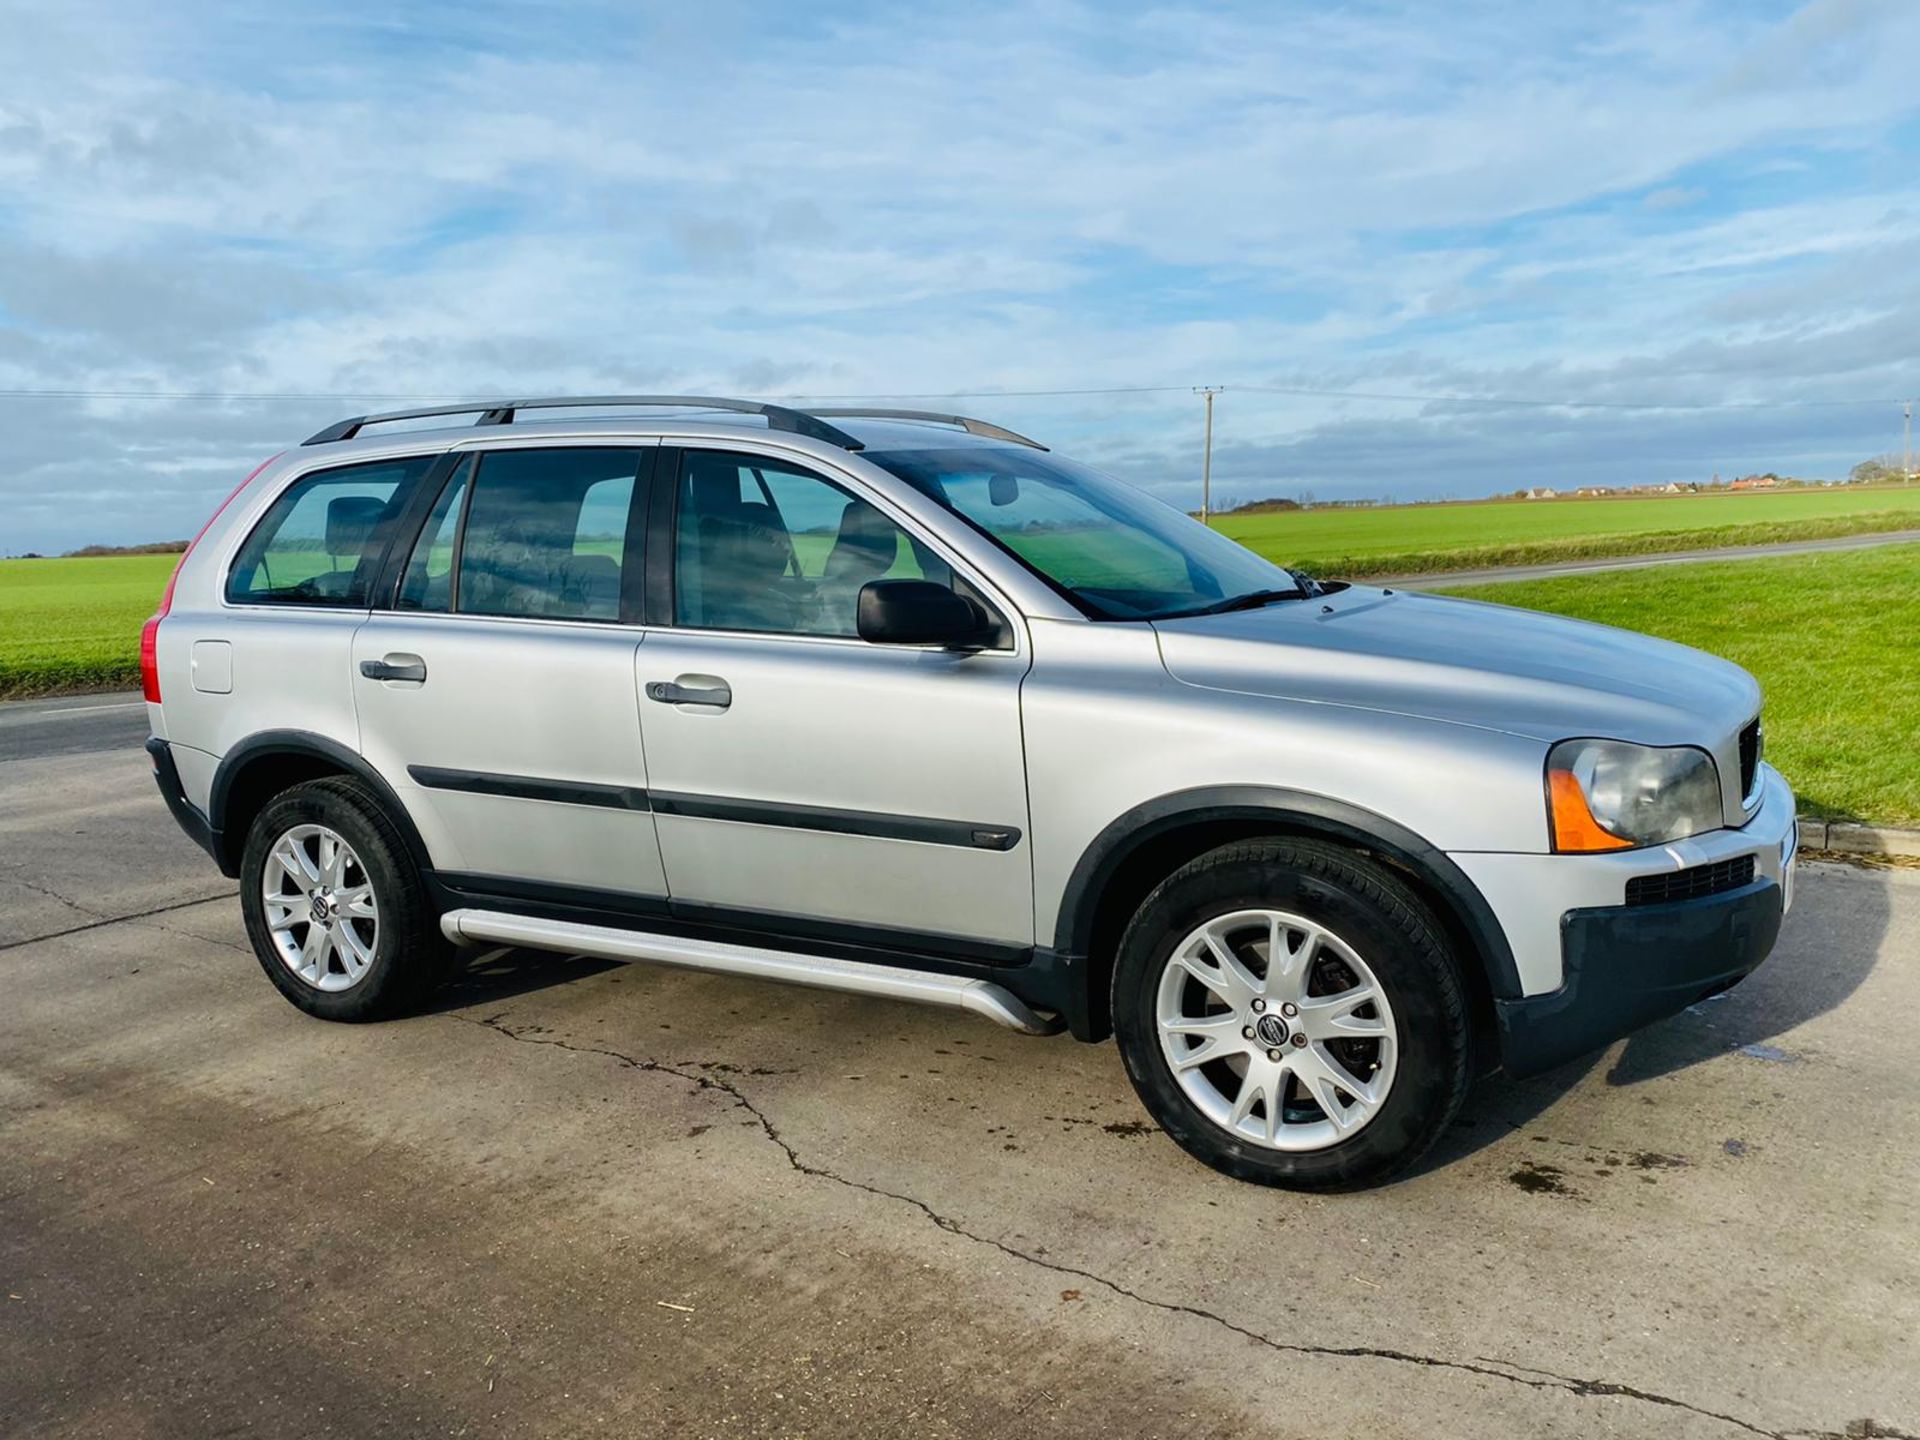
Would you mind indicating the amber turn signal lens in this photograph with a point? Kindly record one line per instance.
(1574, 827)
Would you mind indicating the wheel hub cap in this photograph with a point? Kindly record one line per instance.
(322, 918)
(1277, 1030)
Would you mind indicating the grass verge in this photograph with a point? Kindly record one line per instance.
(1833, 639)
(1596, 547)
(1407, 538)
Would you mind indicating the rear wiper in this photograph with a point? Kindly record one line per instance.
(1252, 600)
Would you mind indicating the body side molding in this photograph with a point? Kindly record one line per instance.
(971, 834)
(873, 824)
(527, 787)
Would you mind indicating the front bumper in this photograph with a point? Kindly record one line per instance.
(1528, 893)
(1592, 967)
(1628, 965)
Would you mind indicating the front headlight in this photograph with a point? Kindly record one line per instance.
(1609, 795)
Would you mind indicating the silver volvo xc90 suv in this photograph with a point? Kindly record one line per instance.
(904, 704)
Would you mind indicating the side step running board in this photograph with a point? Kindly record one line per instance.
(982, 997)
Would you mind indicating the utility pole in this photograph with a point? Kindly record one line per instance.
(1906, 441)
(1206, 455)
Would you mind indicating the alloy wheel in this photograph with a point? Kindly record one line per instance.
(322, 917)
(1277, 1030)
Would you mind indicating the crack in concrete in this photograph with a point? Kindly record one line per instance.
(112, 920)
(1486, 1367)
(233, 945)
(53, 894)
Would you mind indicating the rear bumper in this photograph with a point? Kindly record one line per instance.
(1628, 965)
(167, 776)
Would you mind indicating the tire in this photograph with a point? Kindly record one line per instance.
(376, 961)
(1359, 929)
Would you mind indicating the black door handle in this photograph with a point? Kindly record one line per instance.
(396, 667)
(719, 695)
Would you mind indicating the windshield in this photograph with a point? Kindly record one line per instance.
(1115, 551)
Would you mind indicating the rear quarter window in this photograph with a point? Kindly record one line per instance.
(322, 541)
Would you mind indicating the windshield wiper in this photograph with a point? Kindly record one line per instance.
(1252, 600)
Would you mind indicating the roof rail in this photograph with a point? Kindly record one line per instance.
(985, 428)
(501, 412)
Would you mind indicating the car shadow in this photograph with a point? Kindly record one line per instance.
(490, 975)
(1829, 943)
(1498, 1105)
(1828, 946)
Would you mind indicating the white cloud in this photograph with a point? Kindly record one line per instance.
(1597, 204)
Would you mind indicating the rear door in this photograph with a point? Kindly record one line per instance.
(804, 779)
(497, 695)
(272, 651)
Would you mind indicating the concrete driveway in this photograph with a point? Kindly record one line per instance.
(584, 1199)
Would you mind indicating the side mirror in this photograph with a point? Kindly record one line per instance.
(918, 612)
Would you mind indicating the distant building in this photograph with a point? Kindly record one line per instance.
(1755, 482)
(1542, 492)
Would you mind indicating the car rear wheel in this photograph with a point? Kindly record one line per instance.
(335, 907)
(1291, 1013)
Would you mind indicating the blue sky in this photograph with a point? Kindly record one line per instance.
(1694, 227)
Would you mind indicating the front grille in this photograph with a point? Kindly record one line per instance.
(1750, 747)
(1691, 883)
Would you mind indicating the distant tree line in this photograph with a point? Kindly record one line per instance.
(151, 547)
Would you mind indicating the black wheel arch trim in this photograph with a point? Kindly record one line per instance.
(1299, 810)
(166, 774)
(267, 743)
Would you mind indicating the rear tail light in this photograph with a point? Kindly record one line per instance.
(150, 652)
(150, 632)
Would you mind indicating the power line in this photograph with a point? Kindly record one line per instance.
(1309, 392)
(206, 395)
(466, 395)
(1514, 401)
(995, 394)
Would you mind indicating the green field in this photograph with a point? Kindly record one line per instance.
(1409, 539)
(75, 624)
(1833, 639)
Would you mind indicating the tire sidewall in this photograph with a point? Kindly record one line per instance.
(1416, 974)
(395, 889)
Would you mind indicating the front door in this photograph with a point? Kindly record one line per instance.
(798, 773)
(497, 698)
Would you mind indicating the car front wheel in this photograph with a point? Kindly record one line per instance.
(1291, 1013)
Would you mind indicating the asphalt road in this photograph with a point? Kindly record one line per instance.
(1642, 562)
(72, 725)
(587, 1199)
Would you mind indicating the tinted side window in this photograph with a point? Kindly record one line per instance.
(429, 580)
(322, 540)
(545, 533)
(759, 545)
